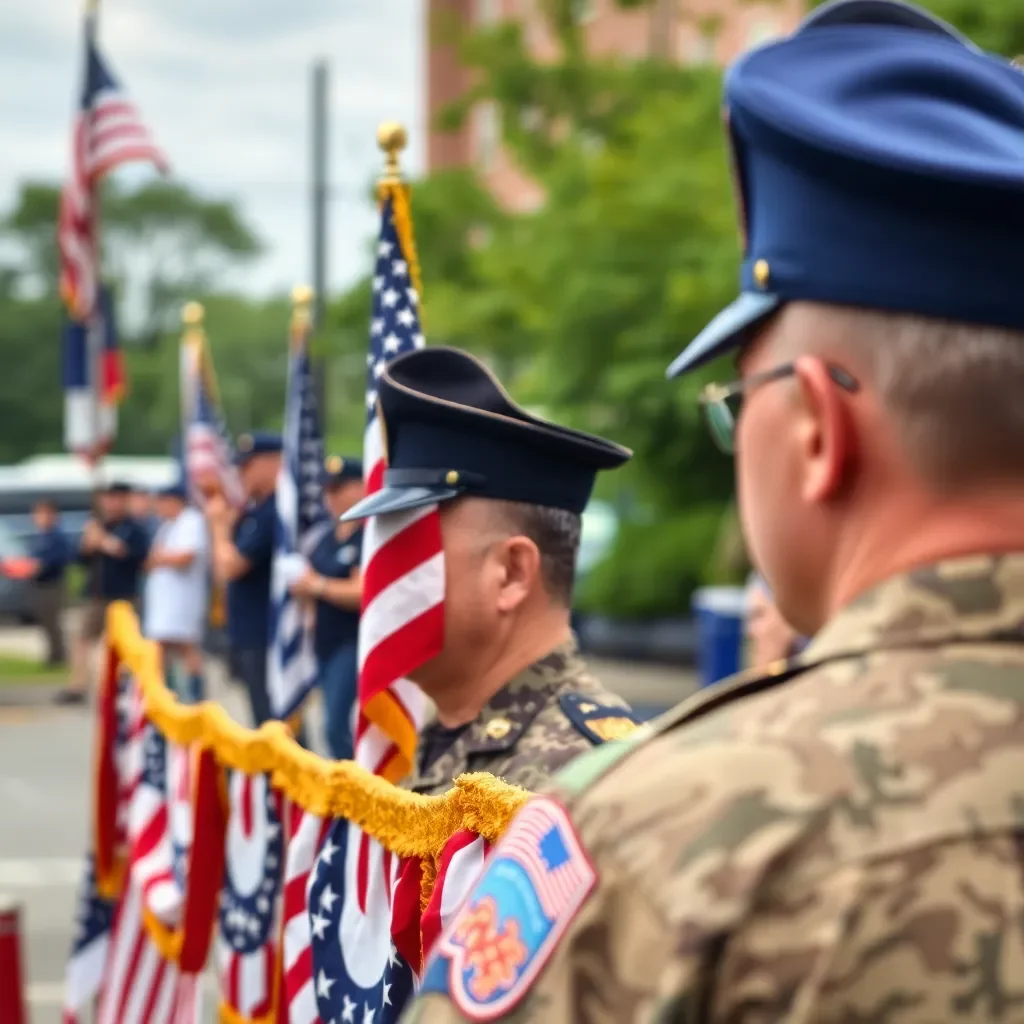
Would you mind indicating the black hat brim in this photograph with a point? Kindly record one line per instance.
(398, 499)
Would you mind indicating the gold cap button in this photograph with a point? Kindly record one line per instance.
(498, 728)
(451, 477)
(762, 273)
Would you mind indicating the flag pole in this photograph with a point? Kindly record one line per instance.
(94, 338)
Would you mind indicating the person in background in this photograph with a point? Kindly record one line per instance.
(113, 549)
(50, 556)
(770, 638)
(512, 695)
(177, 589)
(333, 581)
(142, 508)
(242, 548)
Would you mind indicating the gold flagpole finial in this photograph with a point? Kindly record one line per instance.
(193, 314)
(392, 139)
(192, 317)
(302, 310)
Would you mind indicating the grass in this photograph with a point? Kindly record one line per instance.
(26, 670)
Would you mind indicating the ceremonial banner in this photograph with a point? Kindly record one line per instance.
(248, 957)
(209, 455)
(301, 520)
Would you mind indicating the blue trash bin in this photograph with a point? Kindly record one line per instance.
(720, 612)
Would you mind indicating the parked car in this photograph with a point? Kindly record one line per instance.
(16, 600)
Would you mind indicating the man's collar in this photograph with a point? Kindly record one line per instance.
(509, 713)
(973, 598)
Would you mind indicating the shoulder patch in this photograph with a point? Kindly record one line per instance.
(533, 886)
(599, 722)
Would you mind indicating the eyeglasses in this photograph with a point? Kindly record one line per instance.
(722, 403)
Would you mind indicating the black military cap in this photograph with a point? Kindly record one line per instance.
(117, 487)
(450, 429)
(340, 469)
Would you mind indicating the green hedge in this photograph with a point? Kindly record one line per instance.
(653, 569)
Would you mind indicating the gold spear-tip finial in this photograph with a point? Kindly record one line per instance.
(192, 314)
(392, 139)
(302, 313)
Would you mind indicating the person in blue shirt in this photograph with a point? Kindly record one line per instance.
(113, 548)
(333, 581)
(242, 547)
(50, 556)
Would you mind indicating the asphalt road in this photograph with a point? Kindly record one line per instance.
(45, 770)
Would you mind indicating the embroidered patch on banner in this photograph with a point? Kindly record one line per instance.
(533, 886)
(598, 722)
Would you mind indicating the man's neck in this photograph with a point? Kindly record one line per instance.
(461, 705)
(986, 525)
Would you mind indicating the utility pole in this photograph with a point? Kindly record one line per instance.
(319, 154)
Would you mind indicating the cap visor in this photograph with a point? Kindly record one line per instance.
(728, 331)
(398, 499)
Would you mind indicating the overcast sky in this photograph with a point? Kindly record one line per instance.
(224, 85)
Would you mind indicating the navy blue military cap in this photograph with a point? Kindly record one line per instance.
(340, 469)
(259, 443)
(879, 163)
(118, 487)
(451, 429)
(176, 490)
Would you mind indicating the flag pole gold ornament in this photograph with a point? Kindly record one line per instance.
(302, 313)
(192, 318)
(392, 138)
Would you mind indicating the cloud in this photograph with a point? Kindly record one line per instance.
(225, 87)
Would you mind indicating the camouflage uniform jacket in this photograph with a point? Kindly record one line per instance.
(546, 716)
(839, 841)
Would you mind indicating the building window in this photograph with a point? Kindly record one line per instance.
(488, 135)
(488, 11)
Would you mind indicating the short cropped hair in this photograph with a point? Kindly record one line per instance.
(955, 393)
(557, 536)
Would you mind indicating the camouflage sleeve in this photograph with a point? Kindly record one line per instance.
(670, 847)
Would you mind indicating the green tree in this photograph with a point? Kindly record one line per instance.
(162, 242)
(165, 244)
(995, 25)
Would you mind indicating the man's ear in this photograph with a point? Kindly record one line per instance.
(825, 430)
(520, 571)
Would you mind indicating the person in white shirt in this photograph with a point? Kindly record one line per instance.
(177, 587)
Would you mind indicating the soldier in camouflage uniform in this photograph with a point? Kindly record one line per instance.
(513, 697)
(839, 838)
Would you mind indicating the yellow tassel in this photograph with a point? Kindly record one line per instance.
(407, 824)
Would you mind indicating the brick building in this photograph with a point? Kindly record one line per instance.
(675, 28)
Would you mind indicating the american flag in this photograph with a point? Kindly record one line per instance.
(139, 985)
(78, 370)
(352, 892)
(306, 834)
(458, 868)
(301, 517)
(84, 974)
(402, 622)
(538, 838)
(209, 452)
(108, 131)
